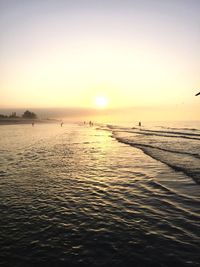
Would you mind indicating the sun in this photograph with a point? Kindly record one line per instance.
(101, 101)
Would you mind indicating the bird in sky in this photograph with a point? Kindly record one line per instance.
(197, 94)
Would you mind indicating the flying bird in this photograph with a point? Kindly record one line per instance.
(197, 94)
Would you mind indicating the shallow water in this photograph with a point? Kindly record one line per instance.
(75, 195)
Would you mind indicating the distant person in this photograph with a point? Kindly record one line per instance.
(61, 124)
(139, 124)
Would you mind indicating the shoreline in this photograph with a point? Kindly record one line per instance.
(11, 121)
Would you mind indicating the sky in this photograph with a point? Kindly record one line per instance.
(142, 55)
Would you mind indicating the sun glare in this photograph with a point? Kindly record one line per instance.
(101, 101)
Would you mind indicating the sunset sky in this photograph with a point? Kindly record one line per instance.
(138, 54)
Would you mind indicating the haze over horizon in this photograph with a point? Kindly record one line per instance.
(142, 56)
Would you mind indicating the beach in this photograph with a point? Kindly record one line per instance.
(90, 196)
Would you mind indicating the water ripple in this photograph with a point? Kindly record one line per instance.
(77, 197)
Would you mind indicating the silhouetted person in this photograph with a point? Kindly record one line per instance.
(197, 94)
(61, 124)
(139, 124)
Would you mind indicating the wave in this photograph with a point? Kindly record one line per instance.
(173, 159)
(196, 155)
(171, 132)
(182, 156)
(152, 133)
(184, 128)
(184, 135)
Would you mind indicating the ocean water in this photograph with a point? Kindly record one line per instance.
(99, 196)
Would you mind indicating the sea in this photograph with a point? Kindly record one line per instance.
(107, 195)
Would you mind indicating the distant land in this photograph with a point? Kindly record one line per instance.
(69, 114)
(55, 112)
(27, 117)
